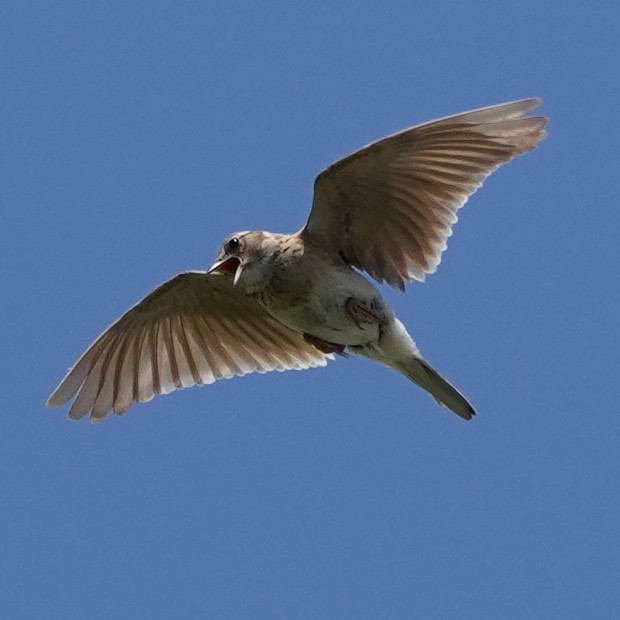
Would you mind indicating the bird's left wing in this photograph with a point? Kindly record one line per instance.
(192, 330)
(389, 208)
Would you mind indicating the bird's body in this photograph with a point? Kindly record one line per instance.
(306, 288)
(319, 295)
(276, 301)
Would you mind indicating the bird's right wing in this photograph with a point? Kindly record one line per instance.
(192, 330)
(389, 208)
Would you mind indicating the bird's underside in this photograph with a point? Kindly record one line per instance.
(360, 314)
(387, 210)
(325, 347)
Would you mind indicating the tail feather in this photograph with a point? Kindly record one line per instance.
(397, 350)
(420, 372)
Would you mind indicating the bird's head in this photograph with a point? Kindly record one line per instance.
(238, 251)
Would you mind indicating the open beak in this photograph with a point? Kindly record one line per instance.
(227, 266)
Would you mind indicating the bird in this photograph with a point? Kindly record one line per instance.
(274, 301)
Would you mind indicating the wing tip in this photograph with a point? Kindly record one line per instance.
(61, 395)
(529, 103)
(52, 402)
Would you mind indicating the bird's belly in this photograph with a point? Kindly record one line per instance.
(330, 325)
(323, 311)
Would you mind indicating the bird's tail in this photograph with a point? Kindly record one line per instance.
(397, 350)
(421, 373)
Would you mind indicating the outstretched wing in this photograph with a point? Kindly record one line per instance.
(389, 208)
(192, 330)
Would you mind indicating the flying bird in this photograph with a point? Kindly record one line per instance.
(276, 301)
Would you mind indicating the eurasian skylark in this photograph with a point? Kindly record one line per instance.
(291, 301)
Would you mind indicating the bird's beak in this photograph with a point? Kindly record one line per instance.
(228, 266)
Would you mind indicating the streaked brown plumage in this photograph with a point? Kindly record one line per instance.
(280, 302)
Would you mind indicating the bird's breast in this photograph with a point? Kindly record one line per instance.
(284, 287)
(312, 298)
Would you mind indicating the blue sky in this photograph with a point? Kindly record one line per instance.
(135, 136)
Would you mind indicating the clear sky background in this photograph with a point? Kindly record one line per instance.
(134, 137)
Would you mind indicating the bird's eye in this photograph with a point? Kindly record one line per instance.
(232, 245)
